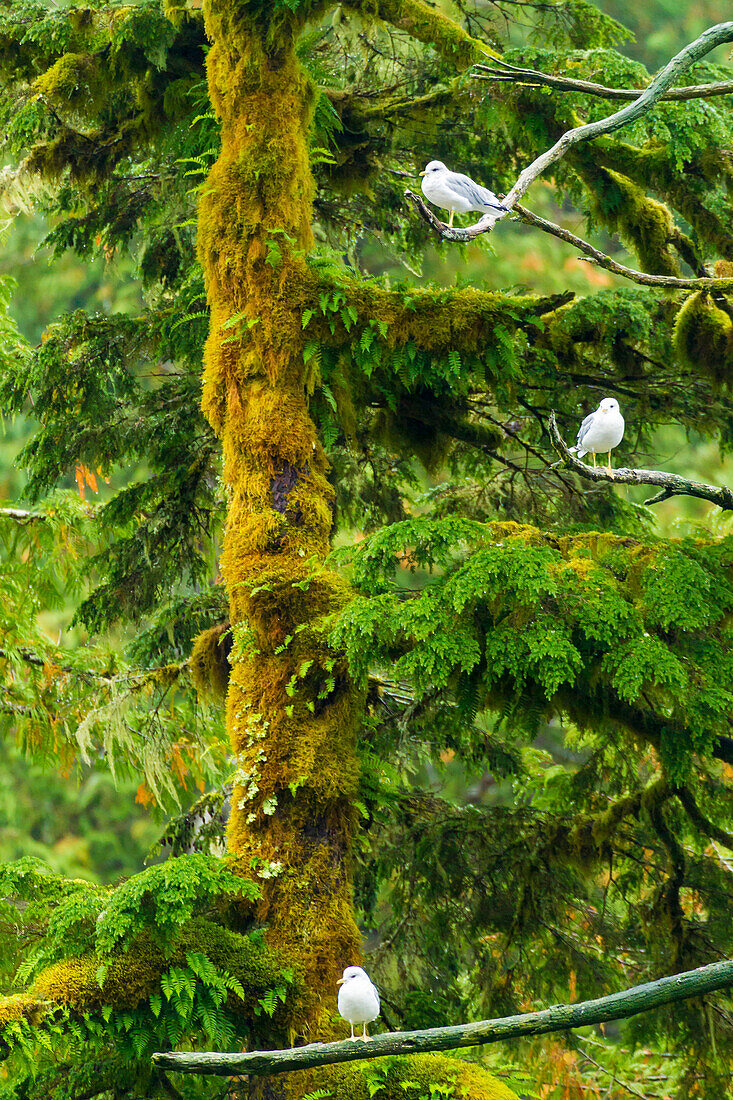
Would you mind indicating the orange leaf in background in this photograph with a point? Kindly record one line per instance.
(144, 795)
(573, 982)
(84, 474)
(180, 767)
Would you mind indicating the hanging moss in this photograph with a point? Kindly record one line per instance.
(645, 224)
(210, 661)
(703, 337)
(409, 1078)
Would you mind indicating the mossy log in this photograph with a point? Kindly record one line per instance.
(617, 1006)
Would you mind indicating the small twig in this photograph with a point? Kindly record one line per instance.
(670, 484)
(515, 74)
(698, 818)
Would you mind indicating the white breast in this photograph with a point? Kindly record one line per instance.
(358, 1001)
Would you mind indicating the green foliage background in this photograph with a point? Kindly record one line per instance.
(544, 668)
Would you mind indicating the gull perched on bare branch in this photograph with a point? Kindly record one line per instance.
(456, 192)
(358, 999)
(601, 431)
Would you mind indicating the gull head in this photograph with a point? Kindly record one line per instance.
(434, 166)
(352, 972)
(608, 405)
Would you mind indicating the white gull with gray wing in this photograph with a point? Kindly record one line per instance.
(458, 193)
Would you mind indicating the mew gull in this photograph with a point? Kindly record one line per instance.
(358, 999)
(601, 431)
(454, 191)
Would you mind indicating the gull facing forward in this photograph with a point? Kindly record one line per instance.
(358, 999)
(601, 431)
(454, 191)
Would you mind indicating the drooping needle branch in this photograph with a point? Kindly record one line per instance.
(662, 82)
(501, 70)
(630, 1002)
(669, 484)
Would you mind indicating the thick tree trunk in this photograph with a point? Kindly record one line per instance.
(291, 709)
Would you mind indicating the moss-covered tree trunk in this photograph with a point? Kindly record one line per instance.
(291, 710)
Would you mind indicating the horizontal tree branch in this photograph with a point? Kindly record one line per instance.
(20, 515)
(662, 82)
(617, 1006)
(600, 259)
(669, 484)
(516, 75)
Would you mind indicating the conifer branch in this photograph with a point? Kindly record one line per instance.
(518, 75)
(669, 484)
(617, 1006)
(710, 39)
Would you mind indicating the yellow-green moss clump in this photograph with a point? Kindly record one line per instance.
(703, 337)
(644, 223)
(210, 661)
(22, 1006)
(130, 977)
(405, 1078)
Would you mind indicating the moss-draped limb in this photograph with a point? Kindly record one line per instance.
(683, 188)
(128, 978)
(424, 23)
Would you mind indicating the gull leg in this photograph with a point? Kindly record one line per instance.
(365, 1037)
(352, 1033)
(450, 219)
(609, 464)
(594, 459)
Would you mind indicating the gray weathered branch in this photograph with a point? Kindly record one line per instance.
(598, 258)
(640, 998)
(708, 40)
(20, 515)
(669, 484)
(517, 75)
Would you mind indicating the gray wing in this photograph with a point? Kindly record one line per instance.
(583, 429)
(474, 192)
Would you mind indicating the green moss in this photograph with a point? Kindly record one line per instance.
(210, 661)
(130, 977)
(408, 1078)
(642, 222)
(703, 337)
(22, 1006)
(424, 23)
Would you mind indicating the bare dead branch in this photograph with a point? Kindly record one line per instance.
(516, 75)
(669, 484)
(595, 256)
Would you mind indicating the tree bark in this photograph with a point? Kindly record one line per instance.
(292, 711)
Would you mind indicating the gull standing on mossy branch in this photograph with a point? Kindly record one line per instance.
(601, 431)
(456, 192)
(358, 999)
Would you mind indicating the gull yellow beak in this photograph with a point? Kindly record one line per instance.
(422, 173)
(341, 981)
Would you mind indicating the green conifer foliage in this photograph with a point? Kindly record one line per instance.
(492, 727)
